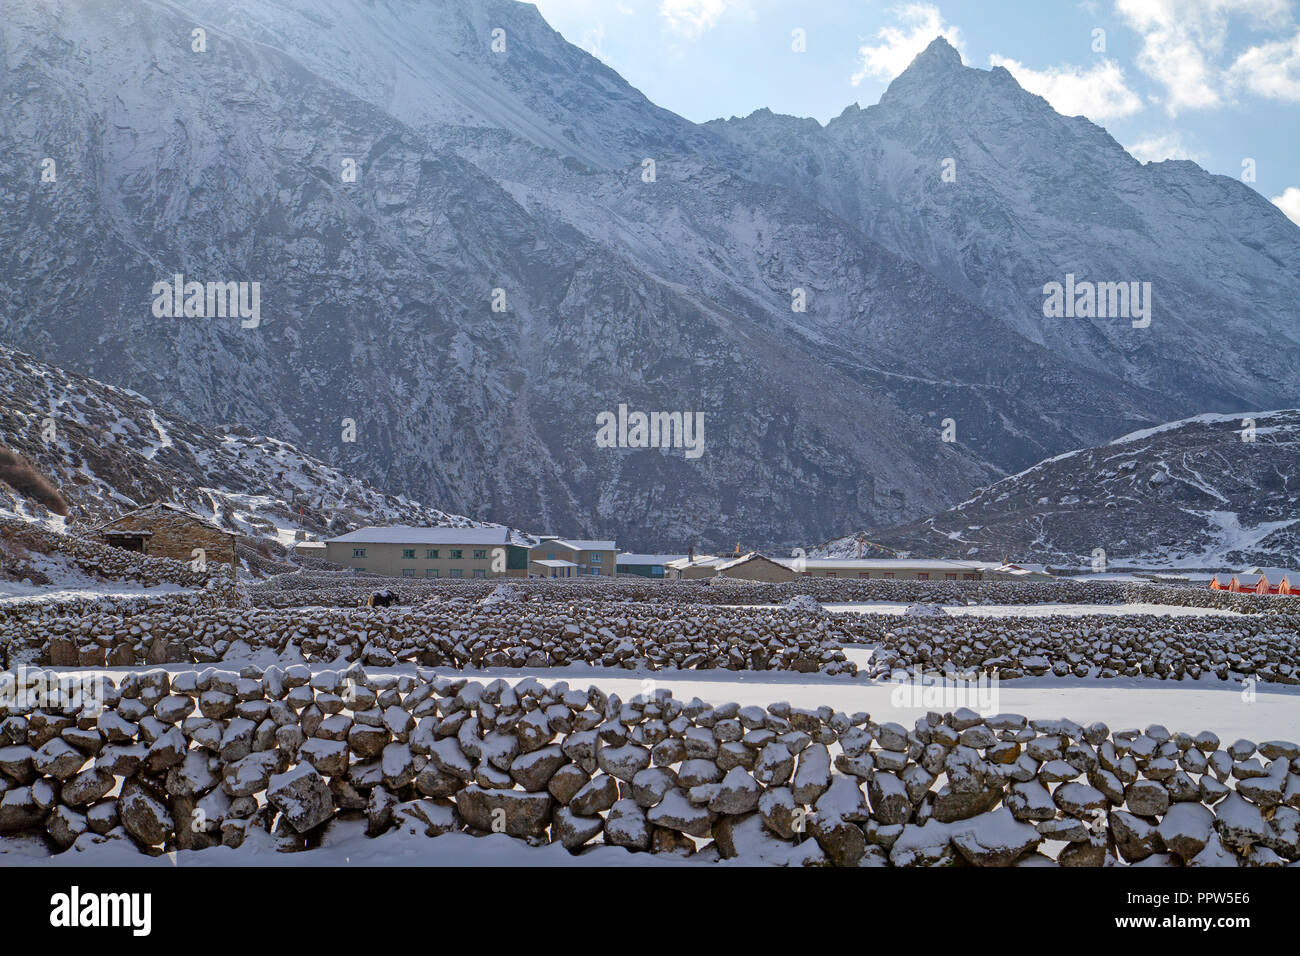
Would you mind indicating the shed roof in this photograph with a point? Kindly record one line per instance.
(745, 559)
(700, 560)
(155, 507)
(578, 544)
(885, 564)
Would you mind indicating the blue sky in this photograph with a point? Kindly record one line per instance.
(1215, 81)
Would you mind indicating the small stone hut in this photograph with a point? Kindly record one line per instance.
(162, 530)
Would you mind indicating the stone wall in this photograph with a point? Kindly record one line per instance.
(1265, 648)
(349, 590)
(507, 634)
(204, 758)
(214, 626)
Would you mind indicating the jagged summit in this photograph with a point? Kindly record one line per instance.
(939, 56)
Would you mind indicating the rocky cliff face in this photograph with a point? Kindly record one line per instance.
(520, 179)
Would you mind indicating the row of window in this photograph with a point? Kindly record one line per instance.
(431, 554)
(453, 554)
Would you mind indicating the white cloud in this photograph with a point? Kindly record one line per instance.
(589, 10)
(1182, 40)
(550, 8)
(1161, 147)
(692, 19)
(1289, 203)
(1099, 93)
(1270, 69)
(920, 23)
(593, 41)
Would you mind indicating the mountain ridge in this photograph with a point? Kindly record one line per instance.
(666, 294)
(1211, 491)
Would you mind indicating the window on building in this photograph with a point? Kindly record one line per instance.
(550, 555)
(480, 573)
(456, 573)
(408, 572)
(831, 574)
(408, 554)
(456, 554)
(596, 571)
(431, 553)
(595, 559)
(970, 577)
(923, 575)
(950, 577)
(889, 574)
(657, 571)
(480, 554)
(431, 573)
(358, 552)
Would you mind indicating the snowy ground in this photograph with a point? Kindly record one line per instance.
(346, 844)
(1272, 713)
(1265, 712)
(1192, 706)
(1041, 610)
(13, 592)
(1023, 610)
(1206, 705)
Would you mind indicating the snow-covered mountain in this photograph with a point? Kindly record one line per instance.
(521, 177)
(1212, 491)
(110, 451)
(1032, 196)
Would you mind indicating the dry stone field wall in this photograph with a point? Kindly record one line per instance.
(216, 624)
(349, 590)
(450, 634)
(23, 622)
(1265, 648)
(208, 757)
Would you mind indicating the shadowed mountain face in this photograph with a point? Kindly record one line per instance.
(1212, 491)
(520, 178)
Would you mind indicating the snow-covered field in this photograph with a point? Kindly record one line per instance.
(1039, 610)
(1122, 704)
(1226, 708)
(347, 844)
(14, 592)
(1192, 706)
